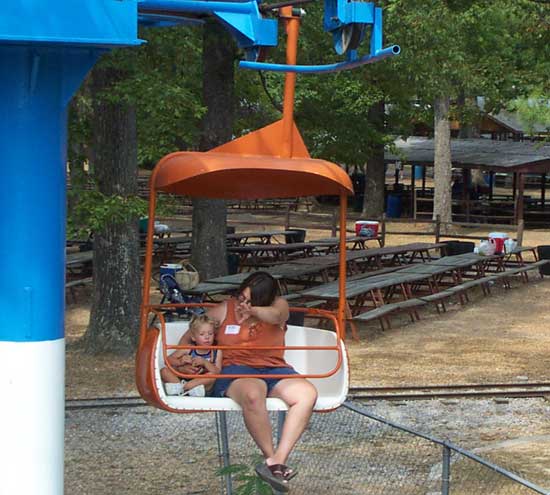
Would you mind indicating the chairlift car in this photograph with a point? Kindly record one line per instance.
(272, 162)
(317, 354)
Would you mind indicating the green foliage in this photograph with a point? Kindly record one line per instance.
(166, 91)
(533, 112)
(248, 481)
(94, 211)
(462, 48)
(500, 50)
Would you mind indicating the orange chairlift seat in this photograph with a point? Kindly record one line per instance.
(271, 162)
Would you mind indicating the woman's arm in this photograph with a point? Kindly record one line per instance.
(217, 312)
(276, 314)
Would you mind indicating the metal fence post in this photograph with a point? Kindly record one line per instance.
(281, 416)
(223, 446)
(446, 470)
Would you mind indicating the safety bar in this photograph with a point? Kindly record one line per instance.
(351, 63)
(311, 311)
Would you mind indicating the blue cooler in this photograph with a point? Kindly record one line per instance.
(170, 269)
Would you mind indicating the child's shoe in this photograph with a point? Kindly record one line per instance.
(198, 391)
(174, 388)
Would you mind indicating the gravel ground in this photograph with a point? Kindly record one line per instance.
(143, 450)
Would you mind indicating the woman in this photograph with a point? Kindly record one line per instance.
(258, 318)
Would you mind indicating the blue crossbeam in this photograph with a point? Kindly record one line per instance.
(390, 51)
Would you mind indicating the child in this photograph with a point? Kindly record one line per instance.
(194, 361)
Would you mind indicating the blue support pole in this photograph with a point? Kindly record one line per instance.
(46, 49)
(36, 85)
(35, 88)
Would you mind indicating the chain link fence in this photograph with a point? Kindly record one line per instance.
(118, 451)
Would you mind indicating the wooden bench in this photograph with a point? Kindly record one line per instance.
(439, 297)
(522, 271)
(484, 282)
(384, 311)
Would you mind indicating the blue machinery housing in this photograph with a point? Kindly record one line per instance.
(347, 21)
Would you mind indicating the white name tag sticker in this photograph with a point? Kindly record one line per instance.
(232, 329)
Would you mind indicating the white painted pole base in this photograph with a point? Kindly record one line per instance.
(32, 417)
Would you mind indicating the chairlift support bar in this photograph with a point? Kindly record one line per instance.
(252, 31)
(352, 63)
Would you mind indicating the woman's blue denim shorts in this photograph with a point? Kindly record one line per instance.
(222, 384)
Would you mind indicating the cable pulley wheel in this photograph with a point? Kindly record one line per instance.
(348, 37)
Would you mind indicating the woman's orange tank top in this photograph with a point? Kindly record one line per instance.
(258, 334)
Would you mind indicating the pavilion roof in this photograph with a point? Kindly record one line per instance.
(485, 154)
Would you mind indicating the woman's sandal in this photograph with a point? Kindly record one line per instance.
(277, 475)
(288, 472)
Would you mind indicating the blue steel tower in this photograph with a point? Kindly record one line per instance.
(46, 49)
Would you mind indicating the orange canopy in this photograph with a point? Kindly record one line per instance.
(230, 176)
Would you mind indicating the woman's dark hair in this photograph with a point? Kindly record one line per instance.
(263, 288)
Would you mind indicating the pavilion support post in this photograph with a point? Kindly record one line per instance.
(543, 191)
(466, 192)
(424, 179)
(514, 185)
(334, 226)
(520, 199)
(413, 191)
(491, 184)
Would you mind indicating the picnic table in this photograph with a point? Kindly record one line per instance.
(165, 248)
(186, 230)
(256, 255)
(237, 279)
(515, 257)
(379, 288)
(400, 254)
(205, 290)
(78, 266)
(357, 242)
(262, 236)
(80, 258)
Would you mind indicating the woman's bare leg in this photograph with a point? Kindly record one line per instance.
(300, 395)
(250, 394)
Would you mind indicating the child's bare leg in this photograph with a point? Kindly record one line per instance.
(195, 382)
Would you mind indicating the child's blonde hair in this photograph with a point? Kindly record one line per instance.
(197, 321)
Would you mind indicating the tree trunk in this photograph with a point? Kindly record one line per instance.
(209, 252)
(375, 176)
(442, 161)
(114, 319)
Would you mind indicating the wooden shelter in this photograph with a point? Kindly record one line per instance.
(519, 159)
